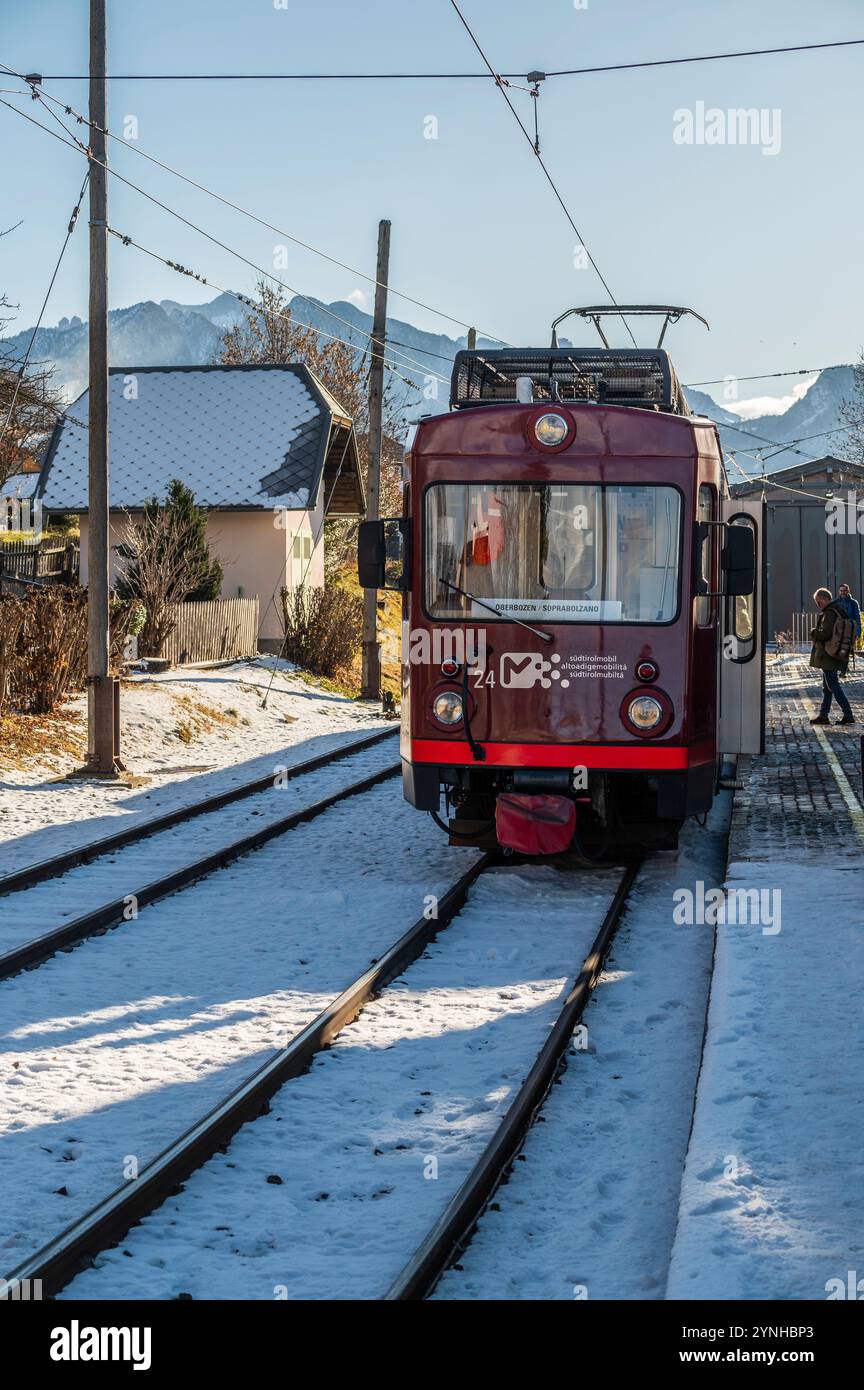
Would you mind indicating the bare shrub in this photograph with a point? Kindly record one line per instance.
(43, 646)
(11, 622)
(51, 648)
(322, 628)
(162, 570)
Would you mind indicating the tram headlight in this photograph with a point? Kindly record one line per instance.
(645, 712)
(550, 430)
(447, 707)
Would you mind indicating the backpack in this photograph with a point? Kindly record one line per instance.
(840, 643)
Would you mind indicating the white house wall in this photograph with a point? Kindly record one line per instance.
(256, 555)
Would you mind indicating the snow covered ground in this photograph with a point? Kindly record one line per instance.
(190, 731)
(110, 1051)
(326, 1196)
(626, 1188)
(772, 1202)
(772, 1205)
(35, 911)
(590, 1209)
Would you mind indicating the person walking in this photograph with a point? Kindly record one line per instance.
(850, 607)
(831, 666)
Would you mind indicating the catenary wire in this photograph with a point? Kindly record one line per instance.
(26, 359)
(535, 151)
(444, 76)
(227, 202)
(77, 145)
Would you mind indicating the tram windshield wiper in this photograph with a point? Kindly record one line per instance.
(538, 632)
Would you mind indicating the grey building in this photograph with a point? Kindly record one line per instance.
(814, 510)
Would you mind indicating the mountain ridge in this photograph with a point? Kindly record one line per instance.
(171, 333)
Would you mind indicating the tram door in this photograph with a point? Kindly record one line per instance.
(741, 682)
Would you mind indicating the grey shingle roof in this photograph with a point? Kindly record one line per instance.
(19, 485)
(237, 436)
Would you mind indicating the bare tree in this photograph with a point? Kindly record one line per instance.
(850, 444)
(29, 405)
(165, 570)
(269, 334)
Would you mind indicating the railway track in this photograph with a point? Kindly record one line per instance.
(452, 1231)
(114, 912)
(110, 1220)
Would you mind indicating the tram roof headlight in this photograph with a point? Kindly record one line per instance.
(551, 430)
(447, 707)
(645, 712)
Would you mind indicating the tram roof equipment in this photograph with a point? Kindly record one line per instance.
(641, 377)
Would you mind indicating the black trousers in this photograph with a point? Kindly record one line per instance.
(831, 686)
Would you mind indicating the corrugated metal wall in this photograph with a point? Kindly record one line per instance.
(802, 557)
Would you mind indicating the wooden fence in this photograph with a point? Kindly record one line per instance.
(39, 562)
(213, 630)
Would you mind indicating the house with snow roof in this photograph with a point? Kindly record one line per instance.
(266, 450)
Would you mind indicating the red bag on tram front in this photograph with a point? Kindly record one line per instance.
(535, 824)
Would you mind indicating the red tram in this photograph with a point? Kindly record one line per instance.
(582, 611)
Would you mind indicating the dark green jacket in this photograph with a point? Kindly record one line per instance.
(822, 634)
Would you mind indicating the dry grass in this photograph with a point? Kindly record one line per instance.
(36, 739)
(196, 717)
(390, 634)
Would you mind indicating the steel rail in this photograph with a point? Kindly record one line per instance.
(113, 914)
(72, 858)
(110, 1220)
(451, 1233)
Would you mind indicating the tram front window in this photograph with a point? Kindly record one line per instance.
(563, 552)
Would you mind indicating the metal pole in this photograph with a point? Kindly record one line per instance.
(472, 338)
(371, 683)
(100, 691)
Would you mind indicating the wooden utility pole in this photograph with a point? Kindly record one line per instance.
(371, 682)
(472, 338)
(100, 687)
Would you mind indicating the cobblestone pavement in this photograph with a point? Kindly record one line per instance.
(792, 803)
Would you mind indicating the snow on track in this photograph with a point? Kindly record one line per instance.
(108, 1052)
(34, 911)
(327, 1195)
(590, 1210)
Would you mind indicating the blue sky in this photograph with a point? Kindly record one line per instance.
(767, 247)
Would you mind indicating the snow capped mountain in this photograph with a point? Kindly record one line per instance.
(814, 421)
(702, 404)
(175, 334)
(144, 335)
(223, 312)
